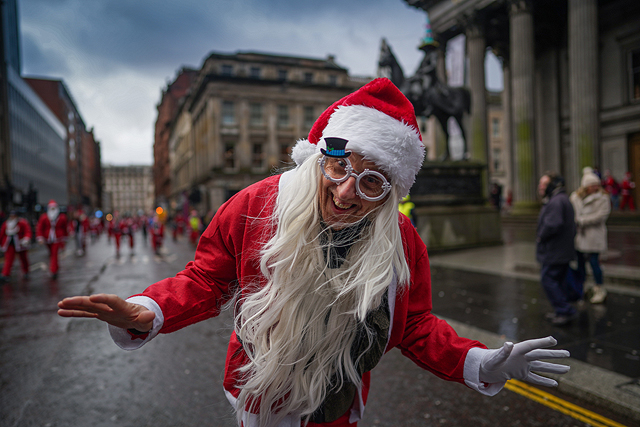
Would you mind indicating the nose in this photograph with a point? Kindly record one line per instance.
(347, 189)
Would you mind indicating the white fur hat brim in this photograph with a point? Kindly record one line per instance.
(394, 146)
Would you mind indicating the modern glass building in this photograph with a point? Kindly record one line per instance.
(32, 140)
(38, 145)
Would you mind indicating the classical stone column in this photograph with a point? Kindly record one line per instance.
(477, 137)
(522, 77)
(583, 86)
(508, 126)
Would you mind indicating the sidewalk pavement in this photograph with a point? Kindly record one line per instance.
(518, 260)
(616, 392)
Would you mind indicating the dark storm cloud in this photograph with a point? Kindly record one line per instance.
(148, 34)
(116, 56)
(40, 60)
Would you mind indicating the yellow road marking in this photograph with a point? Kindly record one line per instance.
(560, 405)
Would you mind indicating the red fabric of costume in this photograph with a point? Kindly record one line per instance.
(226, 258)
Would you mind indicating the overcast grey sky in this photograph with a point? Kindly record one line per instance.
(116, 56)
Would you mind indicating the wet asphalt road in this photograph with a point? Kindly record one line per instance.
(67, 372)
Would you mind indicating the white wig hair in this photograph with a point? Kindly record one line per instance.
(298, 325)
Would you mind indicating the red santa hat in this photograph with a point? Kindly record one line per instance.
(52, 204)
(380, 124)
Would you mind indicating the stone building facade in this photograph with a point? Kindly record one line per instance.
(128, 189)
(240, 119)
(169, 104)
(571, 83)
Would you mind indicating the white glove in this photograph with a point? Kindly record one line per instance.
(26, 242)
(517, 361)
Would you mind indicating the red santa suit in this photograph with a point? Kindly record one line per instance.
(52, 229)
(178, 227)
(195, 226)
(115, 230)
(157, 233)
(222, 260)
(379, 123)
(127, 229)
(626, 192)
(15, 237)
(81, 227)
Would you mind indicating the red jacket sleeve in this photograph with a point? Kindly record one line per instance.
(26, 227)
(40, 228)
(224, 258)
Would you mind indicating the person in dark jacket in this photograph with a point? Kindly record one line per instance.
(555, 245)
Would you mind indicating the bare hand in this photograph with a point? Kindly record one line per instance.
(108, 308)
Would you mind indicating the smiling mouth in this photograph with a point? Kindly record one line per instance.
(340, 205)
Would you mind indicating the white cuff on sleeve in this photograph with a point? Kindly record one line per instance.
(123, 338)
(472, 373)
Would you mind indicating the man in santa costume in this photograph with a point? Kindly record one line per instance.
(52, 230)
(15, 237)
(157, 233)
(81, 227)
(195, 227)
(626, 191)
(327, 276)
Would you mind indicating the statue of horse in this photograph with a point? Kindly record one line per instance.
(428, 94)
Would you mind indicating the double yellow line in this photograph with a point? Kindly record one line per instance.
(560, 405)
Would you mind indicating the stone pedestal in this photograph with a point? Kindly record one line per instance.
(451, 212)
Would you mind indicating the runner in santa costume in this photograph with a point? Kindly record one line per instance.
(52, 229)
(157, 233)
(15, 237)
(328, 276)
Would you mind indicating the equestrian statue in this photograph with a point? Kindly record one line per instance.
(427, 93)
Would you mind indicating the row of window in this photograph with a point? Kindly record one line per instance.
(255, 72)
(257, 115)
(37, 150)
(258, 156)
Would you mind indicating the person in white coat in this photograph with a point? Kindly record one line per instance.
(592, 207)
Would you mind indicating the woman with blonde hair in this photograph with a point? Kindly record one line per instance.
(592, 208)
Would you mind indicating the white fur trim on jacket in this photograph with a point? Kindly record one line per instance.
(393, 145)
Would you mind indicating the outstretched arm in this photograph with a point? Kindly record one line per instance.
(108, 308)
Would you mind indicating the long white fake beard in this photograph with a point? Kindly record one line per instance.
(52, 213)
(12, 227)
(299, 328)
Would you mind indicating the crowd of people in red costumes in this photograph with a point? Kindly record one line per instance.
(621, 193)
(56, 227)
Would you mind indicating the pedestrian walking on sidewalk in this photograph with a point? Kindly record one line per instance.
(327, 276)
(15, 238)
(555, 245)
(592, 208)
(52, 230)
